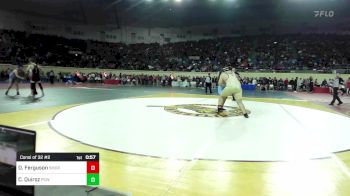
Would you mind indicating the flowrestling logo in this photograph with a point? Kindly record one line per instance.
(324, 14)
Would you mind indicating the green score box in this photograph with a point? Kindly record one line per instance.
(93, 179)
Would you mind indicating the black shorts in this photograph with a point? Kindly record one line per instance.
(36, 79)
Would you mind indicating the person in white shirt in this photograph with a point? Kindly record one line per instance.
(254, 82)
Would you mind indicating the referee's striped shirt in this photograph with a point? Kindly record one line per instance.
(336, 83)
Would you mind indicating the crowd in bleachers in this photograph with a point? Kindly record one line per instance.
(263, 52)
(262, 83)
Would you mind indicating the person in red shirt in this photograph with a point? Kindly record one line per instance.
(286, 84)
(348, 86)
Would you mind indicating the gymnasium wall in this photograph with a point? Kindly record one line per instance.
(132, 34)
(107, 33)
(317, 76)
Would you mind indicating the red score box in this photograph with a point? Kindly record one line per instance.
(93, 167)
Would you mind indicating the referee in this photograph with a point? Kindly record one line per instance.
(208, 84)
(336, 84)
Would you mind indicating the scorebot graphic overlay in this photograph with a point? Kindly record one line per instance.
(58, 169)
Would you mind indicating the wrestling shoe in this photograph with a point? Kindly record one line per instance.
(221, 110)
(340, 103)
(7, 92)
(246, 115)
(17, 93)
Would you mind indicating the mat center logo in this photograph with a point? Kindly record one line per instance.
(203, 110)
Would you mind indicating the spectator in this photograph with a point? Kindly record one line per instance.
(348, 86)
(52, 76)
(321, 53)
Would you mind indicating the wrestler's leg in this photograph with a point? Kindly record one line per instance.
(40, 86)
(10, 86)
(238, 97)
(17, 87)
(32, 87)
(222, 99)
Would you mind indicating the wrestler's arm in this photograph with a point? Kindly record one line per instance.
(28, 66)
(222, 80)
(17, 75)
(238, 76)
(40, 68)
